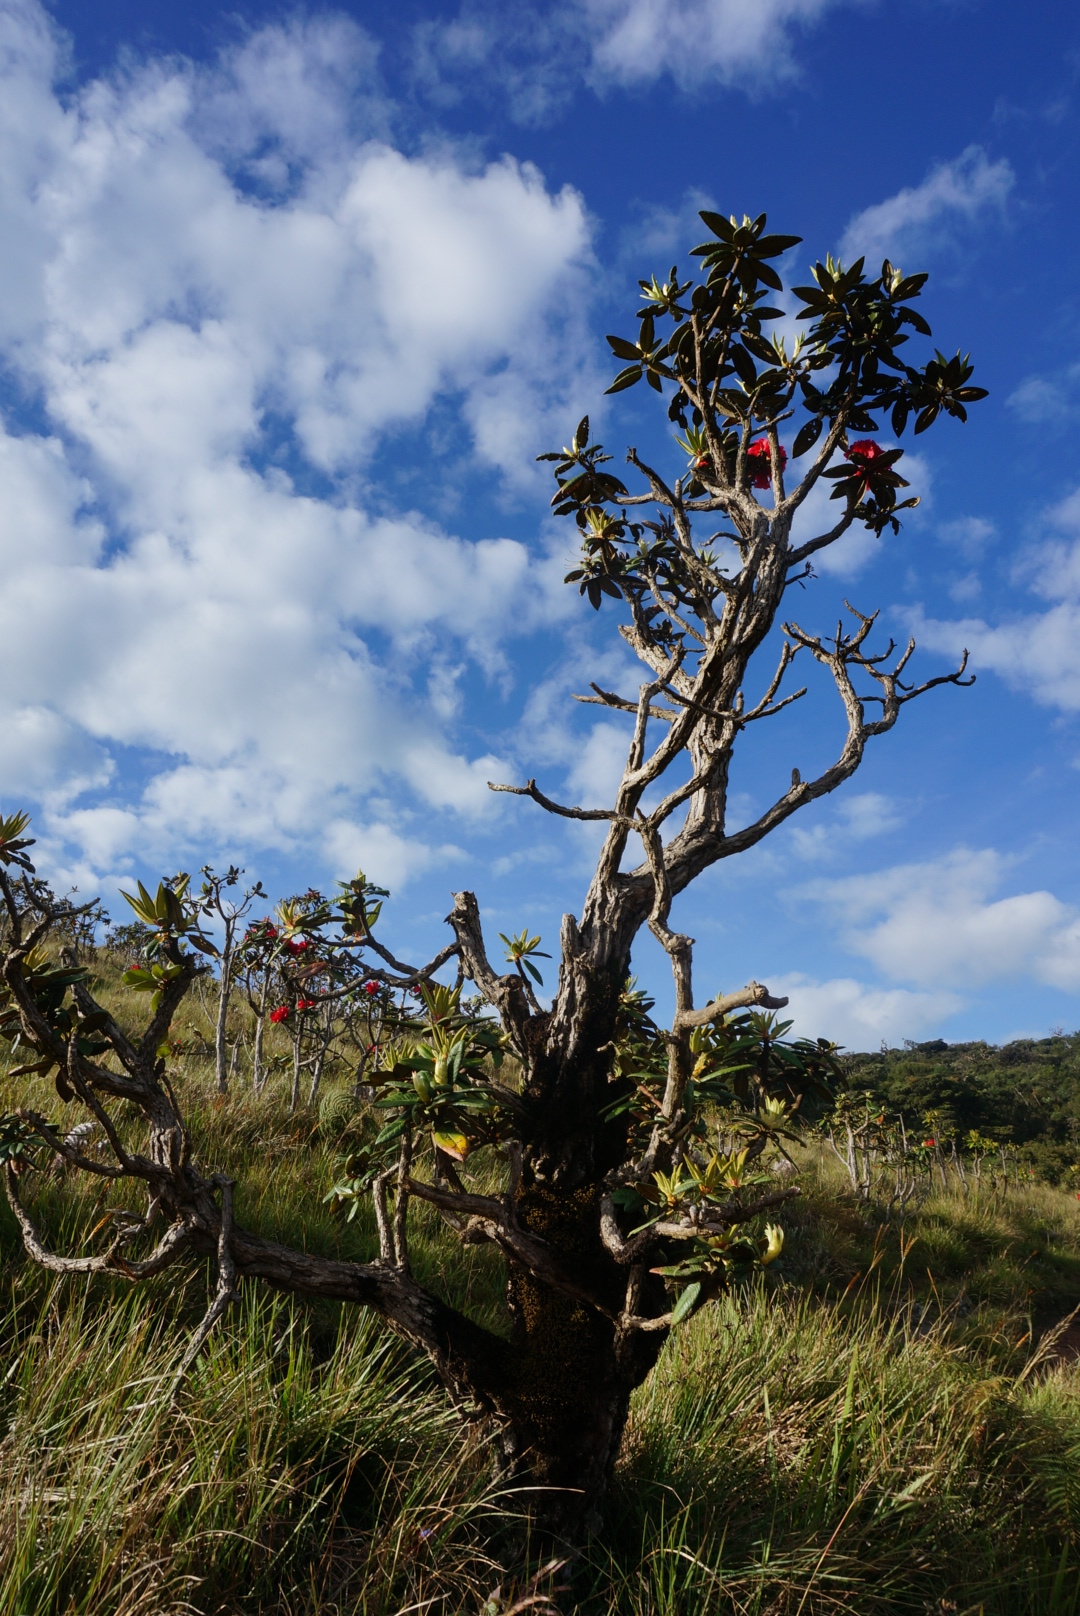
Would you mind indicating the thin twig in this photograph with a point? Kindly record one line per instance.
(226, 1294)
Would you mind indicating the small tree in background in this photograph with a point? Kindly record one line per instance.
(616, 1210)
(218, 901)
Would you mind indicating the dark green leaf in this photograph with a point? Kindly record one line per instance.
(625, 378)
(772, 246)
(744, 365)
(717, 224)
(806, 436)
(685, 1305)
(766, 273)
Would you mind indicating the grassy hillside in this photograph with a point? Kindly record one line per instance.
(880, 1424)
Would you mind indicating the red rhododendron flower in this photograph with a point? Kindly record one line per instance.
(297, 948)
(862, 455)
(761, 476)
(280, 1014)
(305, 1004)
(929, 1144)
(371, 987)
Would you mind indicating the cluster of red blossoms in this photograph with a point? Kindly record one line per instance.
(759, 451)
(762, 474)
(284, 1011)
(862, 455)
(371, 987)
(298, 948)
(929, 1144)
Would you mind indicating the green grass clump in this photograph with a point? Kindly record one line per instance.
(789, 1456)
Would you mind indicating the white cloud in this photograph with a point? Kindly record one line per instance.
(1045, 400)
(818, 514)
(215, 270)
(859, 1016)
(385, 857)
(1038, 652)
(598, 764)
(919, 217)
(966, 588)
(728, 41)
(939, 924)
(858, 818)
(967, 534)
(1052, 567)
(293, 94)
(536, 55)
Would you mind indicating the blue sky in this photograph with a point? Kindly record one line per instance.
(292, 298)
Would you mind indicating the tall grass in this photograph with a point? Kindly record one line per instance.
(786, 1457)
(874, 1433)
(279, 1482)
(792, 1457)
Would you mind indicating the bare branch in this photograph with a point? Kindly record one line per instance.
(504, 993)
(751, 996)
(407, 973)
(110, 1261)
(401, 1202)
(74, 1157)
(529, 789)
(382, 1218)
(604, 698)
(226, 1293)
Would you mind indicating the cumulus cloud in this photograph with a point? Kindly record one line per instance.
(849, 554)
(228, 292)
(350, 847)
(920, 217)
(860, 1016)
(1038, 652)
(940, 925)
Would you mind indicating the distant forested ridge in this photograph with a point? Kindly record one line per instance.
(1025, 1094)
